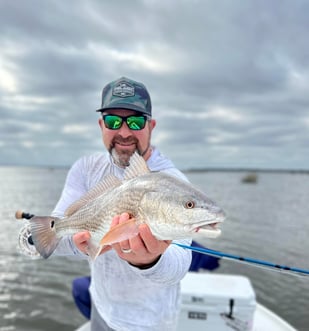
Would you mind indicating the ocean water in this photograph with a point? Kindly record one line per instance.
(267, 220)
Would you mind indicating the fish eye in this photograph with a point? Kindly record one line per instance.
(189, 204)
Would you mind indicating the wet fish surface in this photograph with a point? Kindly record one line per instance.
(171, 207)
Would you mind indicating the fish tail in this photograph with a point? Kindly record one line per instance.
(25, 242)
(44, 234)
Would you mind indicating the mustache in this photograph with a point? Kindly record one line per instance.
(121, 140)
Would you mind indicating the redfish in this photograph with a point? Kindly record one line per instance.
(171, 207)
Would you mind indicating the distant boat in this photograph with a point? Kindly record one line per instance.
(250, 178)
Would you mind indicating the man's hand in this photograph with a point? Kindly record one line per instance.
(142, 251)
(80, 240)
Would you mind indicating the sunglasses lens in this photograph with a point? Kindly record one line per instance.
(136, 122)
(112, 122)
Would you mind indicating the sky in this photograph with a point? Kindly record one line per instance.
(229, 80)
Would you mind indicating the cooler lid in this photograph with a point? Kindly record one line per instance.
(204, 288)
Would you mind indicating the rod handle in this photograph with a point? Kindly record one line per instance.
(20, 215)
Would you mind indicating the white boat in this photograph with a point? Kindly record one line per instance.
(222, 303)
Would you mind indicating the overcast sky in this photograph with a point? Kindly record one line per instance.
(229, 80)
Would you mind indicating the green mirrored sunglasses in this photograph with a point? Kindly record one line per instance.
(114, 122)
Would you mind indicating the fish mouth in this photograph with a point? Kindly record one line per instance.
(209, 230)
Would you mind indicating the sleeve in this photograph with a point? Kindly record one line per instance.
(74, 188)
(172, 266)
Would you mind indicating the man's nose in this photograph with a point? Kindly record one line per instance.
(124, 131)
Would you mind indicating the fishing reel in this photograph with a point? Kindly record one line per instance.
(25, 242)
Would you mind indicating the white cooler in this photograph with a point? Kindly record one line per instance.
(216, 302)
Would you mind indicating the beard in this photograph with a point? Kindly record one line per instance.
(122, 157)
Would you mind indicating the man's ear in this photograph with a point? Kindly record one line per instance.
(153, 123)
(101, 123)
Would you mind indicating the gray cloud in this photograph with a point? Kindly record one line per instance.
(229, 80)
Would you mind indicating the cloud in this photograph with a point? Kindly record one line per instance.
(228, 80)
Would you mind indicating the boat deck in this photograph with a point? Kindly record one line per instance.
(264, 319)
(214, 293)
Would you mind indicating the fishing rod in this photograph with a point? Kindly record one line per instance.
(261, 263)
(266, 264)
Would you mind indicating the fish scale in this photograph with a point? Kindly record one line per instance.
(105, 205)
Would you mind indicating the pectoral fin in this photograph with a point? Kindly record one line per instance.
(120, 232)
(94, 251)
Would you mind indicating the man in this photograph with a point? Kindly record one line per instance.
(135, 284)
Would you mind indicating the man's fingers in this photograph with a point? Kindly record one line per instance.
(115, 221)
(81, 237)
(120, 219)
(152, 244)
(105, 249)
(124, 217)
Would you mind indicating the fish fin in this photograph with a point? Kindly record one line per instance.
(107, 183)
(44, 235)
(137, 167)
(93, 250)
(26, 244)
(120, 232)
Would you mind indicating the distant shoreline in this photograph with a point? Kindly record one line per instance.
(247, 170)
(189, 170)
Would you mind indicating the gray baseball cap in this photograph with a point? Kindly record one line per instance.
(125, 93)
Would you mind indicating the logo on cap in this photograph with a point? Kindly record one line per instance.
(123, 90)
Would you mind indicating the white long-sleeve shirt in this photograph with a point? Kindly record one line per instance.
(127, 298)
